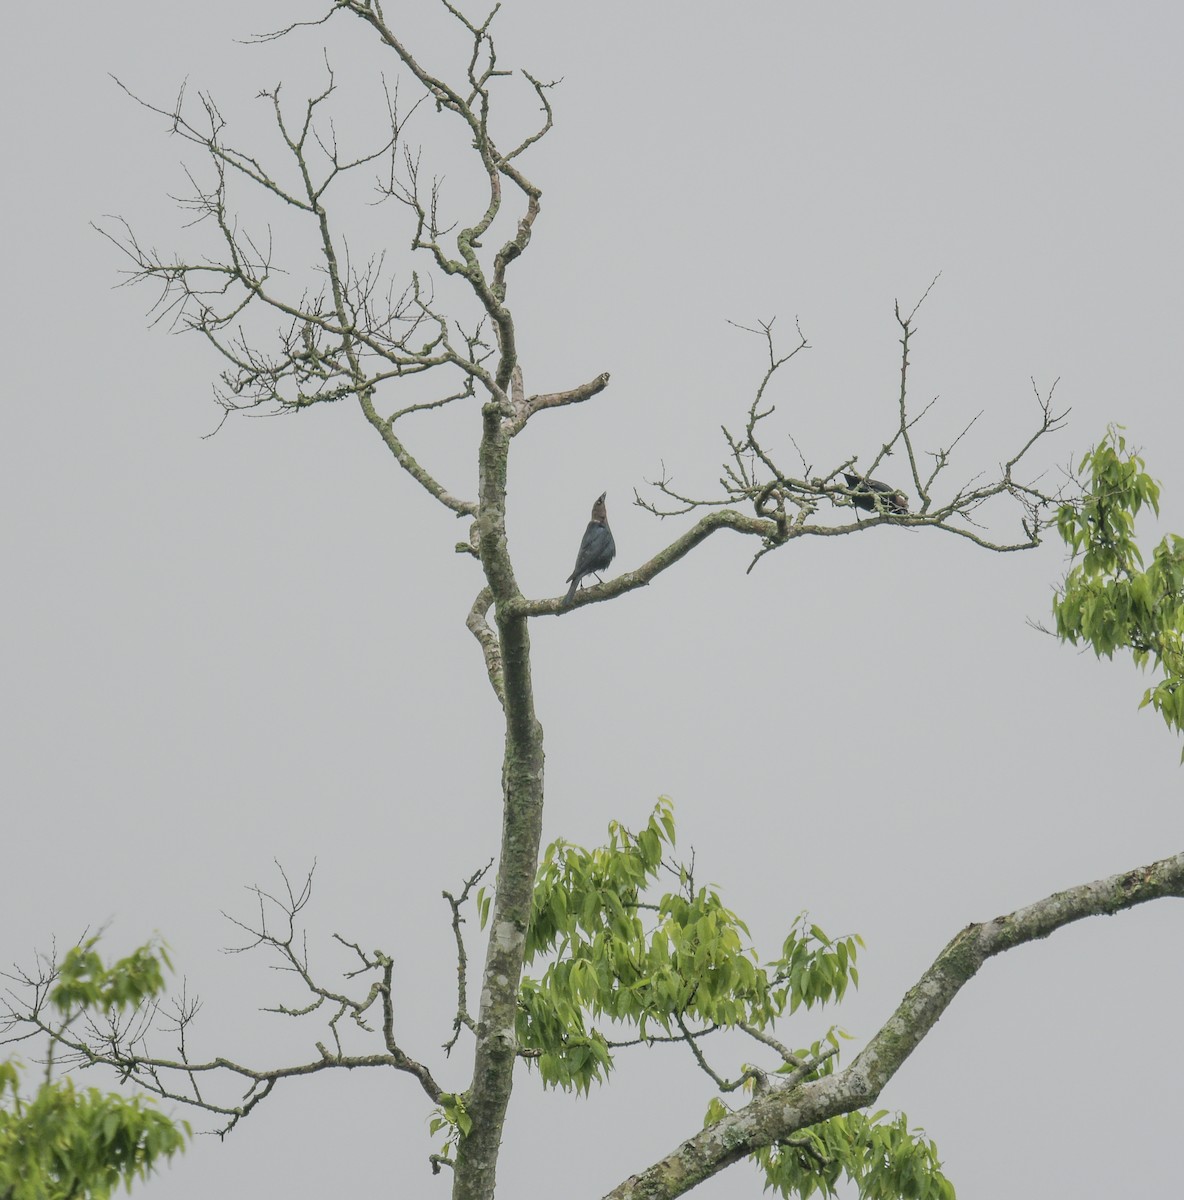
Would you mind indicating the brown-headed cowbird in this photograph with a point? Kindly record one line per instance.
(596, 549)
(871, 495)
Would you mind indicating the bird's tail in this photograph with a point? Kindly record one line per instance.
(571, 591)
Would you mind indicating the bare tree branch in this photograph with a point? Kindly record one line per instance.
(121, 1041)
(786, 506)
(359, 333)
(489, 642)
(462, 1018)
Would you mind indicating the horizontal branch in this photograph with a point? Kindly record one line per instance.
(774, 531)
(529, 406)
(146, 1071)
(777, 1114)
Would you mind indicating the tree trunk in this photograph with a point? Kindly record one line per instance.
(522, 826)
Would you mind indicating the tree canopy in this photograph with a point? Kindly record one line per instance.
(586, 954)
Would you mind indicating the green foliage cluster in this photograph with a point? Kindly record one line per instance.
(84, 982)
(1109, 599)
(884, 1158)
(654, 964)
(66, 1143)
(450, 1114)
(682, 959)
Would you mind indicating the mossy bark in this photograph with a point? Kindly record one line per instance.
(522, 824)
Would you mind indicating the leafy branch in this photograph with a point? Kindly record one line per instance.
(1109, 599)
(895, 1161)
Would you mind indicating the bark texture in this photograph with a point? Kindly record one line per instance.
(779, 1114)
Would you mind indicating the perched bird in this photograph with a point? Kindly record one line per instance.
(596, 549)
(872, 495)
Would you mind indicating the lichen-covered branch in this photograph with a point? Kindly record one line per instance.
(780, 1111)
(526, 407)
(491, 648)
(771, 531)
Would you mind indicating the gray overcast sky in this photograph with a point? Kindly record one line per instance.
(220, 652)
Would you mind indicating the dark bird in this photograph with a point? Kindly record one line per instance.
(596, 549)
(871, 495)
